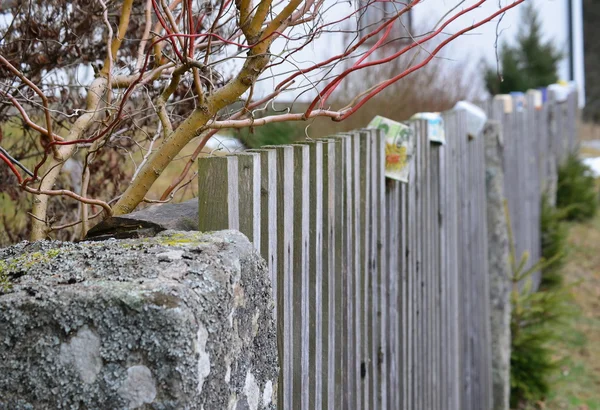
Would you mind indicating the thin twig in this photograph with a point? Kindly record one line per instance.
(16, 162)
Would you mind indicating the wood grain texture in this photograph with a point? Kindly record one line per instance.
(381, 288)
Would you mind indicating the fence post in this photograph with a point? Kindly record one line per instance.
(218, 204)
(498, 266)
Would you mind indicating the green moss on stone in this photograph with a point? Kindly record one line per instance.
(177, 239)
(23, 262)
(5, 284)
(53, 253)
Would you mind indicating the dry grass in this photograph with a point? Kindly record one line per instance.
(589, 152)
(578, 386)
(14, 221)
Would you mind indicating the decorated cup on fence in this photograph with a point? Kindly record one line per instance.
(435, 125)
(507, 102)
(399, 147)
(536, 98)
(476, 117)
(561, 90)
(544, 92)
(519, 100)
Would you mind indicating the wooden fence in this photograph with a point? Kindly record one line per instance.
(537, 138)
(381, 287)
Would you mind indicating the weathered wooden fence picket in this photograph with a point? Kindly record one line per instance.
(381, 287)
(537, 138)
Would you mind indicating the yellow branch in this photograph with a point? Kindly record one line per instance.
(97, 90)
(257, 60)
(280, 18)
(161, 101)
(259, 18)
(190, 128)
(245, 8)
(123, 25)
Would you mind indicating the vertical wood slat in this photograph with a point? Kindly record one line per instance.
(412, 245)
(429, 272)
(463, 240)
(219, 173)
(553, 151)
(299, 283)
(454, 318)
(327, 324)
(369, 279)
(345, 370)
(331, 284)
(445, 346)
(423, 268)
(404, 336)
(312, 308)
(285, 203)
(572, 118)
(410, 259)
(268, 210)
(485, 288)
(395, 319)
(384, 285)
(362, 278)
(534, 191)
(381, 301)
(435, 274)
(355, 286)
(249, 182)
(373, 268)
(341, 273)
(353, 348)
(472, 278)
(335, 273)
(416, 212)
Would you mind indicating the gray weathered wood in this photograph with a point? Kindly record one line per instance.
(382, 287)
(314, 300)
(217, 193)
(268, 211)
(285, 237)
(249, 185)
(299, 281)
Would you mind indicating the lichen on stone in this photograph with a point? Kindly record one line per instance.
(140, 323)
(15, 266)
(5, 284)
(173, 238)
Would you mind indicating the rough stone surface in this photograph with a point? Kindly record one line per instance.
(153, 323)
(148, 222)
(499, 267)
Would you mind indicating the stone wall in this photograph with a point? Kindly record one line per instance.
(177, 321)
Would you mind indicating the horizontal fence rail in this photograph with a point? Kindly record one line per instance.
(382, 287)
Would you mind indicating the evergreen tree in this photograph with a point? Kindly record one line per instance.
(530, 64)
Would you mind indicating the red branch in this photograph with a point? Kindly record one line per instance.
(351, 49)
(163, 23)
(406, 49)
(12, 168)
(338, 80)
(392, 80)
